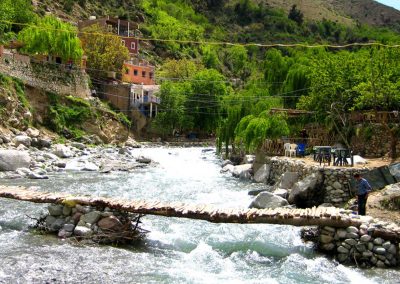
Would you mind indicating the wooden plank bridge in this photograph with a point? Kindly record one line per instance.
(324, 216)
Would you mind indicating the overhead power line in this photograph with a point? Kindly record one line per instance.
(224, 43)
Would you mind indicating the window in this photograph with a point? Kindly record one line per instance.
(151, 75)
(123, 42)
(143, 74)
(135, 72)
(133, 45)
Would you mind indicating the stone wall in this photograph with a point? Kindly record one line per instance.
(45, 76)
(337, 182)
(359, 246)
(100, 225)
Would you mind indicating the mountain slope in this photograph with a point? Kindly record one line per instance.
(344, 11)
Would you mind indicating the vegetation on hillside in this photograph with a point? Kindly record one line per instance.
(51, 36)
(104, 50)
(228, 89)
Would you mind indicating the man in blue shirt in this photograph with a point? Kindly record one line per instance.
(363, 187)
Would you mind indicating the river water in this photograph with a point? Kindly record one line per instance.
(175, 250)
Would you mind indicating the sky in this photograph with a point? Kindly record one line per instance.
(392, 3)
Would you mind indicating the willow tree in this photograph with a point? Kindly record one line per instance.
(204, 103)
(254, 130)
(51, 36)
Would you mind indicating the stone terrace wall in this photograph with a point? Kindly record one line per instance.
(337, 181)
(45, 76)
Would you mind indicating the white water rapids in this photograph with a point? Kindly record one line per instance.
(175, 250)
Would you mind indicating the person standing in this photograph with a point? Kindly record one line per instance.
(363, 188)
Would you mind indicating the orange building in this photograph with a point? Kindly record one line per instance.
(139, 72)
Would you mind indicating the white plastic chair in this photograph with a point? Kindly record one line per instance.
(292, 150)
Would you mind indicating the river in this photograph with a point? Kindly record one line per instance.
(175, 250)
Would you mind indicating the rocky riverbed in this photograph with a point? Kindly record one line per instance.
(28, 155)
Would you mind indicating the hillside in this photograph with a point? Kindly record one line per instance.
(341, 11)
(344, 11)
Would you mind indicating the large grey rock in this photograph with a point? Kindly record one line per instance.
(395, 171)
(57, 225)
(143, 160)
(78, 145)
(262, 174)
(342, 249)
(33, 175)
(10, 160)
(50, 156)
(23, 171)
(379, 250)
(33, 132)
(307, 192)
(241, 170)
(62, 151)
(69, 227)
(287, 180)
(55, 209)
(91, 217)
(90, 167)
(268, 200)
(325, 239)
(365, 238)
(393, 189)
(82, 231)
(44, 143)
(281, 192)
(23, 140)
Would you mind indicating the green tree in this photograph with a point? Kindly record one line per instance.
(104, 50)
(209, 87)
(172, 115)
(254, 130)
(50, 36)
(296, 15)
(17, 11)
(179, 69)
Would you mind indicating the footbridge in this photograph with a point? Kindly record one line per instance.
(322, 216)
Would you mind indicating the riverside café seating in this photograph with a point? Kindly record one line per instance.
(323, 154)
(341, 157)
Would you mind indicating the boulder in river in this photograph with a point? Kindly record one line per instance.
(307, 192)
(82, 231)
(241, 170)
(287, 180)
(262, 174)
(143, 160)
(23, 140)
(10, 160)
(268, 200)
(62, 151)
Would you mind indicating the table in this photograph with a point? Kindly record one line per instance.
(322, 154)
(340, 157)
